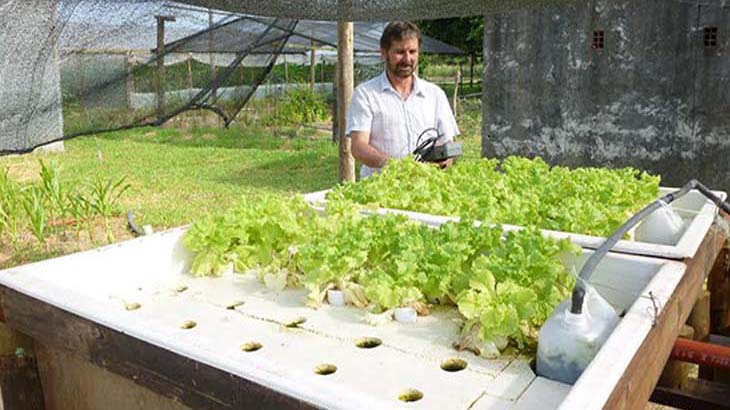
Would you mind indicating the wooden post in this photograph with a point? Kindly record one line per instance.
(20, 383)
(718, 283)
(211, 60)
(699, 317)
(286, 72)
(130, 80)
(190, 71)
(161, 63)
(345, 81)
(335, 106)
(461, 78)
(455, 97)
(312, 66)
(676, 372)
(471, 70)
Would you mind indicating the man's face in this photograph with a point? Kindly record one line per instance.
(401, 59)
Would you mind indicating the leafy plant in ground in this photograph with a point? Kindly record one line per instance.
(52, 189)
(41, 207)
(505, 288)
(10, 207)
(36, 211)
(81, 209)
(518, 191)
(299, 105)
(104, 199)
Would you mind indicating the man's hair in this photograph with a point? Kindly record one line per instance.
(397, 31)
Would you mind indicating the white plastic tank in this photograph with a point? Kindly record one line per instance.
(568, 342)
(663, 226)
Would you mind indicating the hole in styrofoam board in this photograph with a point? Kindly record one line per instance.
(295, 322)
(132, 306)
(325, 368)
(251, 346)
(453, 364)
(234, 305)
(368, 342)
(410, 395)
(188, 324)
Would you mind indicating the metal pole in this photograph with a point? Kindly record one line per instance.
(345, 80)
(707, 354)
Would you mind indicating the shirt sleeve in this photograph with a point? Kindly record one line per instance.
(360, 114)
(446, 122)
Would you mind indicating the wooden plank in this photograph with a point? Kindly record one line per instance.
(179, 378)
(696, 394)
(20, 384)
(640, 377)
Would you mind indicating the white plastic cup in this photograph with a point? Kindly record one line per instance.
(336, 297)
(229, 269)
(406, 315)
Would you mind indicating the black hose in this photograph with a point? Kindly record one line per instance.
(425, 147)
(579, 291)
(133, 226)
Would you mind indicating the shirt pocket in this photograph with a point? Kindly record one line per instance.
(423, 117)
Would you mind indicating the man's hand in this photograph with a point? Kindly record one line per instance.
(446, 163)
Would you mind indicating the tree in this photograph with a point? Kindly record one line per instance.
(465, 33)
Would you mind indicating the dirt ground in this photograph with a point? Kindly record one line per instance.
(61, 240)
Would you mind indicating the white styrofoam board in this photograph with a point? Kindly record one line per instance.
(98, 284)
(694, 207)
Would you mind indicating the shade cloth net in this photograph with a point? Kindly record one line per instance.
(87, 66)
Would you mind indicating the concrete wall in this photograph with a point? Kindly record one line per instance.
(654, 97)
(30, 96)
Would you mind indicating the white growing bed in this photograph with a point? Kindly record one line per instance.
(98, 285)
(697, 212)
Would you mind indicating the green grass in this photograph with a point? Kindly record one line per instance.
(177, 176)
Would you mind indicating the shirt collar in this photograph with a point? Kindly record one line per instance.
(386, 85)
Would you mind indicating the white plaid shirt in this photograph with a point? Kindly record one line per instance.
(394, 124)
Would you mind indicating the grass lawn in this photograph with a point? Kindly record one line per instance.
(176, 176)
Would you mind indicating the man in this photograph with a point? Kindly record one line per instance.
(389, 112)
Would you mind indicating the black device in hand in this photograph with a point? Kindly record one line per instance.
(429, 150)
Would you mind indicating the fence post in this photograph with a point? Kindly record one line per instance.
(312, 66)
(455, 98)
(161, 64)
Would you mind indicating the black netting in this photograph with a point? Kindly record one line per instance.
(370, 10)
(76, 67)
